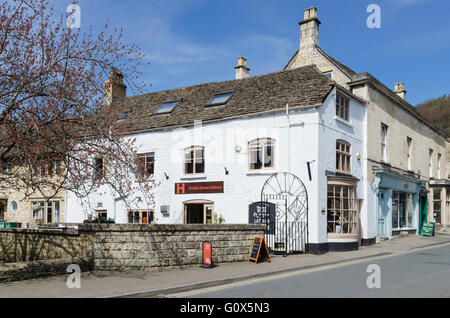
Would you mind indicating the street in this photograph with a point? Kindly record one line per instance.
(423, 273)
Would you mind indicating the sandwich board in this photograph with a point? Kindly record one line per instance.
(260, 252)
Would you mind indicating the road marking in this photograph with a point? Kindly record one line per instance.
(296, 273)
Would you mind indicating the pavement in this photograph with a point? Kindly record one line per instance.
(161, 283)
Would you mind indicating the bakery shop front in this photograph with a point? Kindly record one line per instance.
(199, 211)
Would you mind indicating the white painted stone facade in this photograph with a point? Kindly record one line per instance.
(313, 135)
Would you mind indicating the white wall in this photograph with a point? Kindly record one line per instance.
(312, 135)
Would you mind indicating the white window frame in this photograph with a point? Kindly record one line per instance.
(431, 152)
(409, 144)
(260, 145)
(439, 166)
(193, 149)
(384, 142)
(342, 107)
(145, 157)
(344, 156)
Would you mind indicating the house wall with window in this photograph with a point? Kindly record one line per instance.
(228, 147)
(343, 169)
(16, 207)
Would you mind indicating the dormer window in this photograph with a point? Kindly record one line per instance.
(220, 99)
(166, 108)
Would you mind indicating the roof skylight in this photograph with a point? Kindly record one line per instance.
(220, 99)
(166, 108)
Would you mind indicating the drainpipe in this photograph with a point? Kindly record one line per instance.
(289, 138)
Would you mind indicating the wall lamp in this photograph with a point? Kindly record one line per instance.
(226, 171)
(167, 177)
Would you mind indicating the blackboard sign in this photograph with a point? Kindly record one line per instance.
(260, 252)
(428, 229)
(263, 213)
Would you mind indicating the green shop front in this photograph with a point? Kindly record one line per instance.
(399, 202)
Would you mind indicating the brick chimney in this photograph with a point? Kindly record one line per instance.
(309, 29)
(114, 87)
(400, 90)
(242, 71)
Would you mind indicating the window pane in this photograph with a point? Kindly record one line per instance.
(268, 156)
(220, 99)
(166, 108)
(56, 204)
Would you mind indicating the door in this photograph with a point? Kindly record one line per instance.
(383, 211)
(208, 211)
(423, 212)
(194, 214)
(2, 210)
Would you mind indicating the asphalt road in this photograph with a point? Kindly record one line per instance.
(423, 273)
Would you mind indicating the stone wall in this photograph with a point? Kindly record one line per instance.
(126, 247)
(27, 245)
(134, 247)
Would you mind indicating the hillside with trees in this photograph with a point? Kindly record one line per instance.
(438, 110)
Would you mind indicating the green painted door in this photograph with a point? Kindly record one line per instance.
(423, 212)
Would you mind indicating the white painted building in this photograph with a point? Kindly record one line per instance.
(220, 142)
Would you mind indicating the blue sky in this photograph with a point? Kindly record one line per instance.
(197, 41)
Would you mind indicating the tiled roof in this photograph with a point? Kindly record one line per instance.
(302, 87)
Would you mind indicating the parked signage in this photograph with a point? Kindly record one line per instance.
(260, 252)
(199, 188)
(207, 255)
(263, 213)
(428, 229)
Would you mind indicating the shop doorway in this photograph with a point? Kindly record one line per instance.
(383, 212)
(198, 212)
(2, 210)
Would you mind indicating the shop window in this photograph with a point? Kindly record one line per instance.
(342, 209)
(140, 217)
(194, 160)
(437, 205)
(402, 210)
(261, 154)
(343, 157)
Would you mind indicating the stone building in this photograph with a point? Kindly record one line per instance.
(407, 155)
(218, 150)
(33, 209)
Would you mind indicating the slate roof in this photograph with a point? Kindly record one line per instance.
(302, 87)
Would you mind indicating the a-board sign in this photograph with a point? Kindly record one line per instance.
(428, 229)
(263, 213)
(260, 252)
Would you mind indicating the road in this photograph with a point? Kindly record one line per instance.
(423, 273)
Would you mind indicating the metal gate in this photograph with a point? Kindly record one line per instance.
(287, 231)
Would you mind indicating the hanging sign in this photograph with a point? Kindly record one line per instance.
(260, 252)
(263, 213)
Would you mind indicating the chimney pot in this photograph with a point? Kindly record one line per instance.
(309, 29)
(399, 89)
(242, 71)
